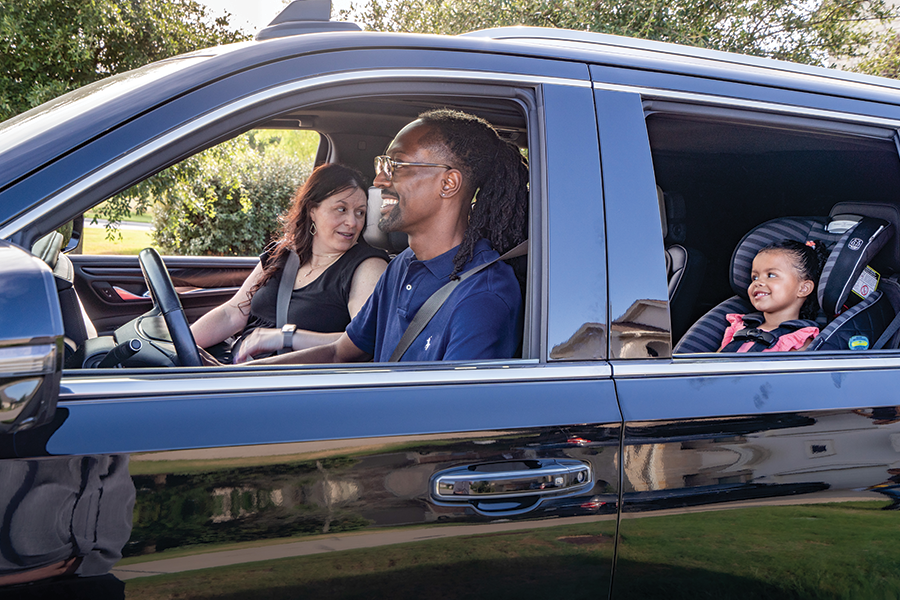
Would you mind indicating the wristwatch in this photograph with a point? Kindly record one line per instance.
(288, 332)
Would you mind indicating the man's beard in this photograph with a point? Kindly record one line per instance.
(392, 221)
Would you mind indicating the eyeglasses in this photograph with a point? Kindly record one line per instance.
(387, 166)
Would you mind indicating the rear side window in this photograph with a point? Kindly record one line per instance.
(723, 175)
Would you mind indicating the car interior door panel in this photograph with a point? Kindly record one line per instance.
(113, 291)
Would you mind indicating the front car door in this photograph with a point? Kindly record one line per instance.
(477, 478)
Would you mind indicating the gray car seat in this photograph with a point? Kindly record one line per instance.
(76, 324)
(872, 240)
(851, 251)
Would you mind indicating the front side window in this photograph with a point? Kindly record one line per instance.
(215, 213)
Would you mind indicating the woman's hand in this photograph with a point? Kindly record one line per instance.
(263, 340)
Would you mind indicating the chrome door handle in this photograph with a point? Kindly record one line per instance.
(511, 487)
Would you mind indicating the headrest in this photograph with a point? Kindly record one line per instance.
(673, 216)
(890, 258)
(392, 243)
(849, 257)
(48, 247)
(801, 229)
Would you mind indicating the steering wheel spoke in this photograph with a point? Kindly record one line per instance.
(166, 301)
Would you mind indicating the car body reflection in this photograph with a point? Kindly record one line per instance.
(74, 549)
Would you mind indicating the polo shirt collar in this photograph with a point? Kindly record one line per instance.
(442, 266)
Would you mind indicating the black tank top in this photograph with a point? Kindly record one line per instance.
(319, 306)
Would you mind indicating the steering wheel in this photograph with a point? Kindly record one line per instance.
(165, 299)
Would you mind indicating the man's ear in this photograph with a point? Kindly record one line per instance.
(451, 183)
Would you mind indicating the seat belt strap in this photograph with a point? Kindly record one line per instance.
(285, 289)
(437, 299)
(888, 333)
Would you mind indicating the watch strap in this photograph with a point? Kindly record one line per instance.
(288, 333)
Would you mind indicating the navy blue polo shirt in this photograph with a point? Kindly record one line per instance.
(480, 320)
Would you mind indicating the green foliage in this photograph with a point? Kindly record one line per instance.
(814, 32)
(235, 505)
(884, 60)
(49, 47)
(224, 201)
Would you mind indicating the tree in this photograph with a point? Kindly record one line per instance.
(819, 32)
(49, 47)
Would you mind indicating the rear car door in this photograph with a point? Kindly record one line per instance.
(794, 445)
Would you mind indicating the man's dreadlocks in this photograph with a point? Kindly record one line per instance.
(495, 171)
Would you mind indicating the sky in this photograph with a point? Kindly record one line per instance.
(253, 15)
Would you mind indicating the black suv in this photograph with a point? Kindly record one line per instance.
(572, 469)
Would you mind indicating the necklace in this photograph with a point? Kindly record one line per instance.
(325, 266)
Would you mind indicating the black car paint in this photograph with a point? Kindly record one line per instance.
(375, 436)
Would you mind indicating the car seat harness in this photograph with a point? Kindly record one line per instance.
(762, 340)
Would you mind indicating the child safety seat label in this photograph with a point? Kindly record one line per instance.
(867, 282)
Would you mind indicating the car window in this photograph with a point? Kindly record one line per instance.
(218, 202)
(721, 179)
(212, 213)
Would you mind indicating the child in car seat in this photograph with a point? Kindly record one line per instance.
(782, 289)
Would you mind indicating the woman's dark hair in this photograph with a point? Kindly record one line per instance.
(808, 259)
(495, 171)
(325, 181)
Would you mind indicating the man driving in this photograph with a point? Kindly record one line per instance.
(460, 193)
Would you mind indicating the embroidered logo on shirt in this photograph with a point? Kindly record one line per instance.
(428, 343)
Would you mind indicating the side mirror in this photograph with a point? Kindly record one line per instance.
(31, 338)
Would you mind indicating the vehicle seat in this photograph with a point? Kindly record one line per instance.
(871, 240)
(706, 334)
(76, 323)
(866, 230)
(685, 267)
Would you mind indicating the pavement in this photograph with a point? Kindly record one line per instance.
(124, 225)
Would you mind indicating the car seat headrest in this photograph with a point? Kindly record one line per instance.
(48, 248)
(849, 257)
(673, 216)
(393, 243)
(801, 229)
(889, 259)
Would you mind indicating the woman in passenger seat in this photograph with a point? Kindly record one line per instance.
(336, 275)
(782, 288)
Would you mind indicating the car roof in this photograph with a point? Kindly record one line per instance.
(41, 135)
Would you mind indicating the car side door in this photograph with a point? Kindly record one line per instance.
(436, 475)
(751, 433)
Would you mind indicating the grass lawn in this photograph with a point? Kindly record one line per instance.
(132, 242)
(140, 218)
(828, 551)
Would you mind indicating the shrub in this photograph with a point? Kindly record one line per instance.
(224, 201)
